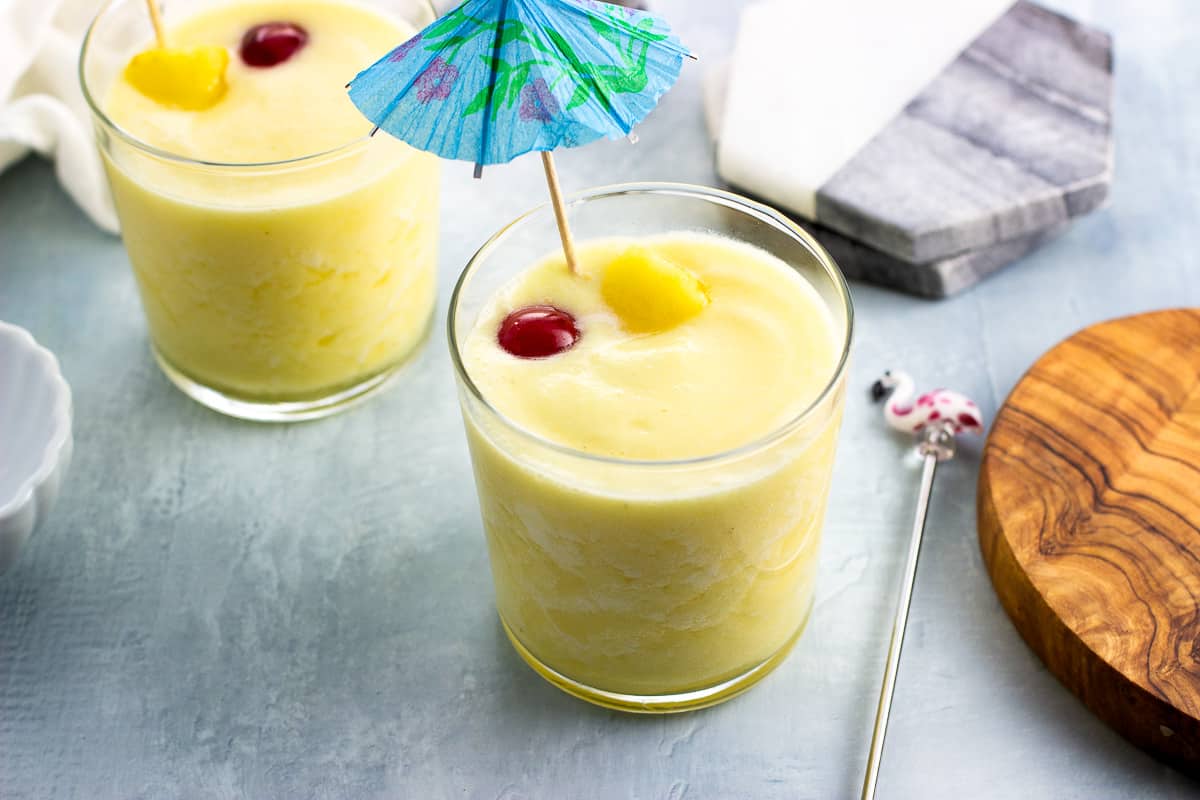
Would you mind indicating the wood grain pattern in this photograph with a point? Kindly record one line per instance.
(1089, 523)
(1014, 137)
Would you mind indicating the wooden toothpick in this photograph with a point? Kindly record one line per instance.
(560, 212)
(156, 21)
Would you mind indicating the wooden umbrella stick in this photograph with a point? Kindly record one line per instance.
(156, 21)
(560, 211)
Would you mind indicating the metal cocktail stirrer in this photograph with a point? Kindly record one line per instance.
(934, 419)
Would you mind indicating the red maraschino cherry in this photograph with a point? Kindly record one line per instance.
(538, 332)
(272, 43)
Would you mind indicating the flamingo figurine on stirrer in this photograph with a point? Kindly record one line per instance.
(935, 418)
(494, 79)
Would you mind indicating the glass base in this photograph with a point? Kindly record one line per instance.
(665, 703)
(286, 411)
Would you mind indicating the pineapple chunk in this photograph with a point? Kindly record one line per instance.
(650, 293)
(191, 79)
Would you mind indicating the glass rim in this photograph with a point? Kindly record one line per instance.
(736, 202)
(178, 158)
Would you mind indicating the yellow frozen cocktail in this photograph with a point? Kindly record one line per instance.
(652, 441)
(286, 260)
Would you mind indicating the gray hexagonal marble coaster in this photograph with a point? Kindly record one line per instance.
(996, 155)
(935, 279)
(1013, 138)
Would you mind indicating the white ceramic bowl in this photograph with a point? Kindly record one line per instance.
(35, 436)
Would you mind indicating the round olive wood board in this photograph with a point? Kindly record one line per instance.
(1089, 523)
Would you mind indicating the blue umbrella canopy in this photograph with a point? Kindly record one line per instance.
(494, 79)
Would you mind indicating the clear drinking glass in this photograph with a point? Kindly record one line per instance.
(652, 585)
(272, 291)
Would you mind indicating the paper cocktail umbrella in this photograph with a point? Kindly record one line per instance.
(494, 79)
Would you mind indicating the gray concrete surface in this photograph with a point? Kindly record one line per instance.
(222, 610)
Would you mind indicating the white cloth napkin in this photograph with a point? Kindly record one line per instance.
(41, 105)
(810, 82)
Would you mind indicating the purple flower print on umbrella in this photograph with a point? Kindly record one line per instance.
(436, 81)
(403, 50)
(537, 102)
